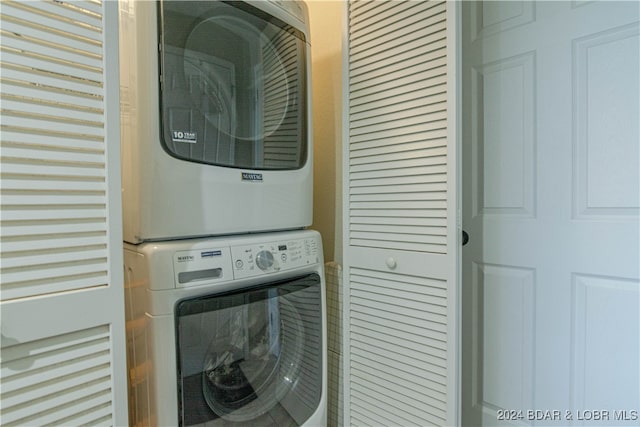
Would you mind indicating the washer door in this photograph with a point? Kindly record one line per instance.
(252, 356)
(233, 86)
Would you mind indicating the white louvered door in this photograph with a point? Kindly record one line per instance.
(400, 296)
(63, 356)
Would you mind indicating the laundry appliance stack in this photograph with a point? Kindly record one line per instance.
(225, 288)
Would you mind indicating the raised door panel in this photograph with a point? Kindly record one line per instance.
(551, 184)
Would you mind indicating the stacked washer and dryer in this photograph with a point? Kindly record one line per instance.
(226, 322)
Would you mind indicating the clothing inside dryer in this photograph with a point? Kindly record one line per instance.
(233, 86)
(251, 358)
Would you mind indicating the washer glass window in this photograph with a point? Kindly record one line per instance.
(251, 357)
(233, 86)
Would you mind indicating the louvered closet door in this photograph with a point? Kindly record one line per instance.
(400, 215)
(62, 305)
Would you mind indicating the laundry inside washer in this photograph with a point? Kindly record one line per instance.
(251, 355)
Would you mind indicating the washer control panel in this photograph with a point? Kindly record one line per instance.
(254, 260)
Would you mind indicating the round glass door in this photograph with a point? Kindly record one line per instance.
(248, 373)
(252, 356)
(233, 86)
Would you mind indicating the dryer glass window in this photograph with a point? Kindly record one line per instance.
(233, 86)
(252, 357)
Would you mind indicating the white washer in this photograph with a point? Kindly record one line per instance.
(227, 331)
(216, 113)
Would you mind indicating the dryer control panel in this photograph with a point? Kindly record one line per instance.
(258, 259)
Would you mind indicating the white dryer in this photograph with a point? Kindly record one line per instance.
(227, 331)
(215, 109)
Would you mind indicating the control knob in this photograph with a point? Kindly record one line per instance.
(264, 260)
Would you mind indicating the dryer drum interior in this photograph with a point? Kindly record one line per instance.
(233, 86)
(251, 356)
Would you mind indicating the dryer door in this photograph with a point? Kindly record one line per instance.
(233, 86)
(252, 357)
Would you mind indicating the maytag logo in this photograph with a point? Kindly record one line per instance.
(185, 258)
(248, 176)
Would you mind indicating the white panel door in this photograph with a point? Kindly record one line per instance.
(551, 292)
(62, 300)
(400, 299)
